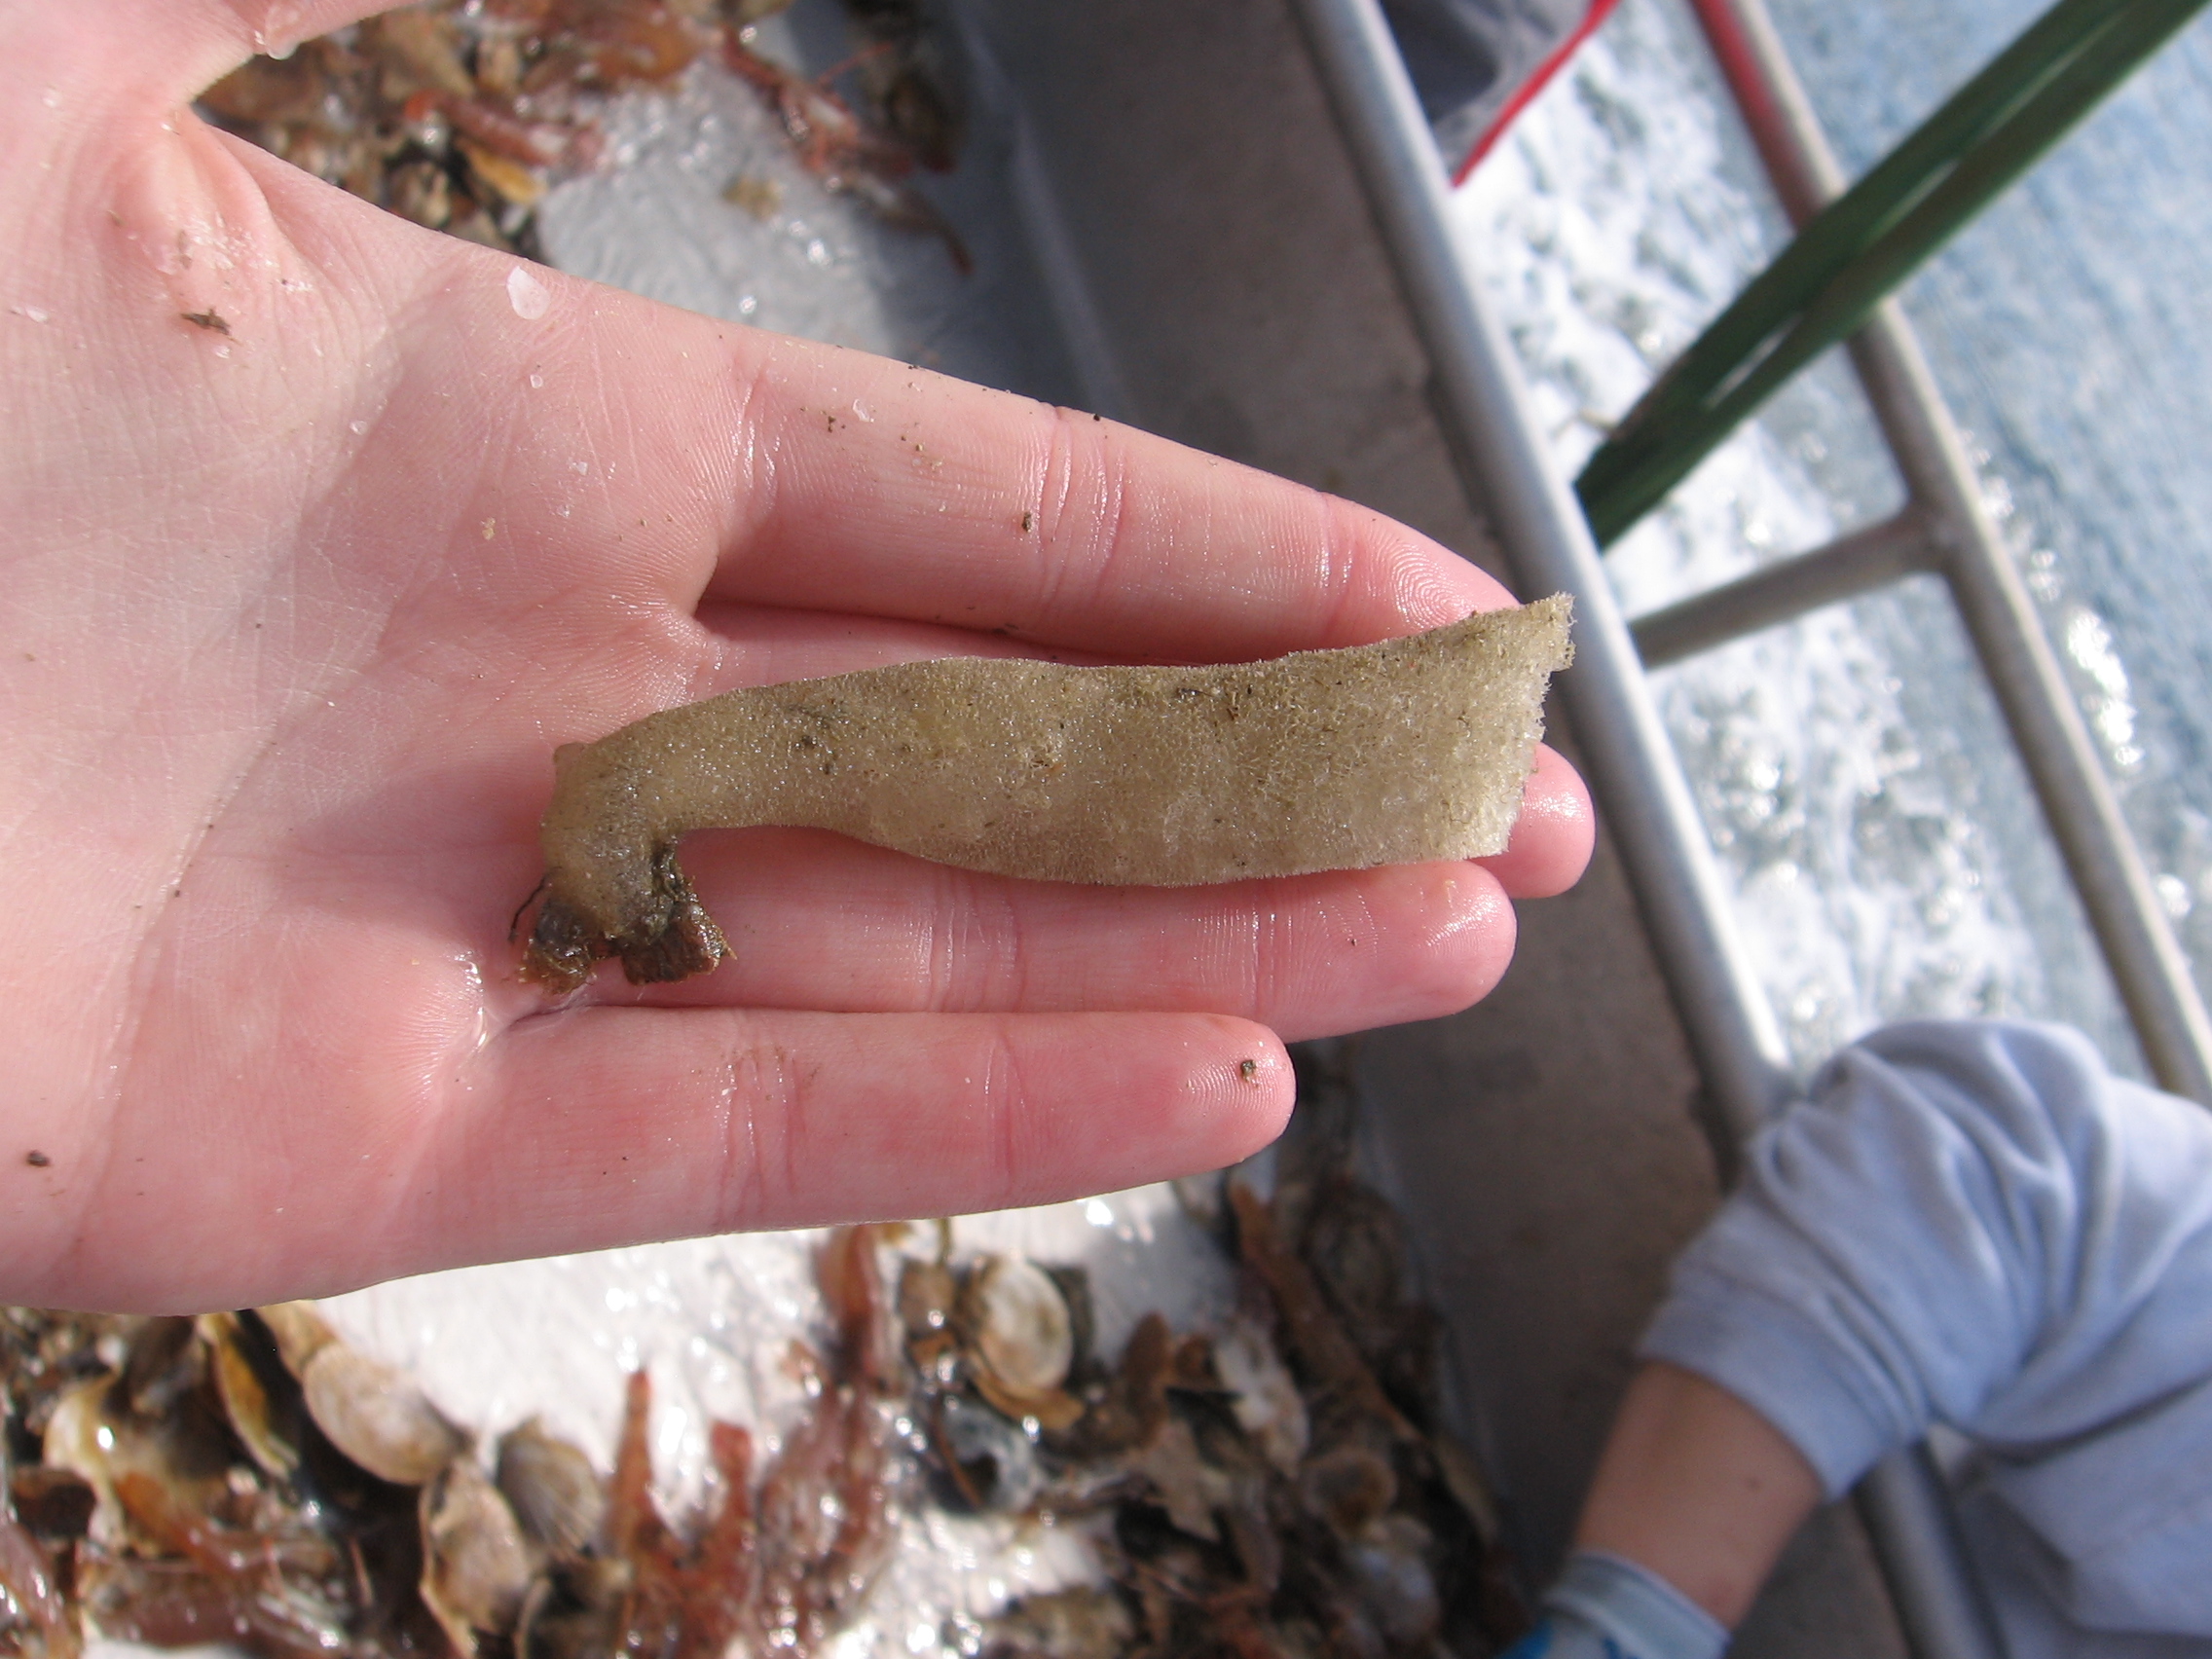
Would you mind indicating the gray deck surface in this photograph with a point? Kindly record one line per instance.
(1543, 1146)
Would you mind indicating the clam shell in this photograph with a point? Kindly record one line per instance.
(260, 1423)
(1016, 1326)
(554, 1491)
(378, 1417)
(475, 1566)
(300, 1331)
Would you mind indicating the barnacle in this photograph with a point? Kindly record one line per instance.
(1412, 749)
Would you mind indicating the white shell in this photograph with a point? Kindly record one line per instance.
(476, 1569)
(301, 1333)
(1017, 1324)
(378, 1417)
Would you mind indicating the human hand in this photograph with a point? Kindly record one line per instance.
(1697, 1489)
(297, 606)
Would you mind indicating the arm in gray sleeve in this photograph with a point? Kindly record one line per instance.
(1971, 1223)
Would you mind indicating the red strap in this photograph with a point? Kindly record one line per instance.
(1534, 84)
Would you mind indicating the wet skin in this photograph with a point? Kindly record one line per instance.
(293, 615)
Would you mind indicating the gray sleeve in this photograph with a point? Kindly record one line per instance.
(1971, 1223)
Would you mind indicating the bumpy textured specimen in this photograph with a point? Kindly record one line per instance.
(1158, 777)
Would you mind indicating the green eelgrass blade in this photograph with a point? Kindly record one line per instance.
(1852, 255)
(1855, 219)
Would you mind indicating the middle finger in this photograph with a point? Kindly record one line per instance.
(815, 920)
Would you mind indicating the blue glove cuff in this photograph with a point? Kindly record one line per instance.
(1640, 1614)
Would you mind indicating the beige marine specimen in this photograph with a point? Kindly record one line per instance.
(1408, 749)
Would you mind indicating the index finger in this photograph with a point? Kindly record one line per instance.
(911, 495)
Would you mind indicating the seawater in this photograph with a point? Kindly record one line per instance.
(1885, 857)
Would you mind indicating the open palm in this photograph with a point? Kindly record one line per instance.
(323, 530)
